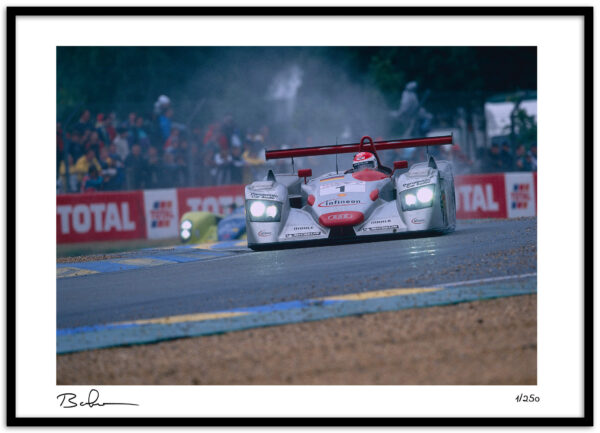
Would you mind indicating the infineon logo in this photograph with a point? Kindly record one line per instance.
(334, 203)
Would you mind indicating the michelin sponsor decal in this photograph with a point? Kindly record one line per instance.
(381, 224)
(302, 231)
(263, 196)
(337, 202)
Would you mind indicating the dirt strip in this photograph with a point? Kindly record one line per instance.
(490, 342)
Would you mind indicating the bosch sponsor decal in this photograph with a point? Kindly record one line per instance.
(417, 183)
(332, 178)
(341, 187)
(99, 217)
(263, 196)
(339, 202)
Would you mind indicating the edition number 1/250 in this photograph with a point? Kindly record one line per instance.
(531, 398)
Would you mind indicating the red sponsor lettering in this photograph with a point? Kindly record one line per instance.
(100, 217)
(480, 196)
(215, 199)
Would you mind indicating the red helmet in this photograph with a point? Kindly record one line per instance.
(364, 160)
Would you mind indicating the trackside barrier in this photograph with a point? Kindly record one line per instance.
(155, 214)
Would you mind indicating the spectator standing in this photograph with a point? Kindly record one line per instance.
(253, 162)
(121, 143)
(153, 168)
(101, 129)
(506, 157)
(237, 164)
(223, 162)
(532, 154)
(119, 179)
(491, 161)
(94, 143)
(109, 171)
(83, 164)
(522, 162)
(169, 169)
(135, 166)
(141, 135)
(165, 124)
(209, 168)
(84, 125)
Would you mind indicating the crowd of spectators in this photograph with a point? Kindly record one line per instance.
(500, 157)
(104, 153)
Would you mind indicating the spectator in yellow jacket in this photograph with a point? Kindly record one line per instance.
(82, 166)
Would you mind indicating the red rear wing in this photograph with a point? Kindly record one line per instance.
(357, 147)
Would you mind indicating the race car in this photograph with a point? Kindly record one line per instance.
(367, 201)
(199, 226)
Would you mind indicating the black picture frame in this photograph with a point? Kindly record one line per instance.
(14, 12)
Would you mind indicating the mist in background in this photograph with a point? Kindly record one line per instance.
(303, 96)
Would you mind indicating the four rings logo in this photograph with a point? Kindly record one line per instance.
(340, 217)
(333, 203)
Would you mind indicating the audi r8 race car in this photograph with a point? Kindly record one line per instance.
(369, 200)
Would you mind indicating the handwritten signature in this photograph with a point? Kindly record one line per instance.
(92, 400)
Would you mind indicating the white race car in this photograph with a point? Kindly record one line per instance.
(366, 201)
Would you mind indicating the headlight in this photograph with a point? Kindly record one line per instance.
(185, 230)
(417, 198)
(264, 210)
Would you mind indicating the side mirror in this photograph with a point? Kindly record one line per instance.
(399, 165)
(305, 172)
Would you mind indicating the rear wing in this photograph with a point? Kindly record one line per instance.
(358, 147)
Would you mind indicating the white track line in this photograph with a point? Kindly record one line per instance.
(487, 280)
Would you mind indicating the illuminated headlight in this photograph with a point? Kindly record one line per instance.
(410, 199)
(417, 198)
(263, 210)
(185, 230)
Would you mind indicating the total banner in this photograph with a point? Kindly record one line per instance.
(215, 199)
(100, 217)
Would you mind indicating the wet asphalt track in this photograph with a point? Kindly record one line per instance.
(478, 249)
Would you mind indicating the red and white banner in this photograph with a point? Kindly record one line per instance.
(480, 196)
(521, 194)
(161, 210)
(215, 199)
(100, 217)
(155, 214)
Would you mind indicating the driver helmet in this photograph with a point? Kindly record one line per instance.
(364, 160)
